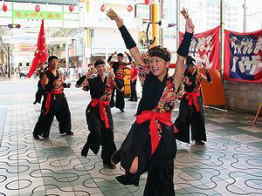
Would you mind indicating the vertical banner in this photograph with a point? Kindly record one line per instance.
(204, 48)
(243, 56)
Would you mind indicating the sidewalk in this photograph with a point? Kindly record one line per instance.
(229, 164)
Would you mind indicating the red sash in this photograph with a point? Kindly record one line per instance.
(153, 117)
(49, 98)
(192, 98)
(102, 110)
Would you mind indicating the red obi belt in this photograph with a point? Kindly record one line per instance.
(102, 110)
(192, 98)
(154, 118)
(49, 98)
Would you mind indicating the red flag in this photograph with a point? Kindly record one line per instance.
(41, 53)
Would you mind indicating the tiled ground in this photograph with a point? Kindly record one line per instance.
(229, 164)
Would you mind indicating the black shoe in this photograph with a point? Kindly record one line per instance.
(69, 133)
(200, 143)
(44, 137)
(122, 110)
(36, 137)
(35, 102)
(115, 158)
(128, 179)
(109, 165)
(84, 151)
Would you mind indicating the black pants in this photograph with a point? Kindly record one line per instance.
(189, 117)
(133, 91)
(120, 99)
(160, 178)
(99, 135)
(160, 165)
(62, 113)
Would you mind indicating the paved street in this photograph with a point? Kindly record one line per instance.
(229, 164)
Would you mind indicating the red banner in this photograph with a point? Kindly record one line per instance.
(243, 56)
(204, 48)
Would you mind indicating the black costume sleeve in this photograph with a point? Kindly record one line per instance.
(109, 59)
(129, 58)
(185, 44)
(129, 41)
(80, 81)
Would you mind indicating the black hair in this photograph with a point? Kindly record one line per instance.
(51, 58)
(99, 62)
(160, 52)
(120, 54)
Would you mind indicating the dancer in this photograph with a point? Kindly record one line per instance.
(118, 67)
(98, 113)
(150, 144)
(54, 103)
(133, 83)
(191, 111)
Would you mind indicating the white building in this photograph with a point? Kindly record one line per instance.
(105, 36)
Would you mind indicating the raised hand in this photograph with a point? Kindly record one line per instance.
(91, 72)
(189, 24)
(184, 12)
(111, 73)
(113, 16)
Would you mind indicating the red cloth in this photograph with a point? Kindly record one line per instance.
(102, 110)
(153, 117)
(134, 73)
(192, 98)
(41, 53)
(49, 99)
(148, 2)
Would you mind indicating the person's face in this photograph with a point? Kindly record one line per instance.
(158, 66)
(101, 69)
(120, 58)
(53, 64)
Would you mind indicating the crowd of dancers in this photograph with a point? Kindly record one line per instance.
(150, 145)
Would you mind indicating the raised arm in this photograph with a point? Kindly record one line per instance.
(129, 58)
(109, 60)
(183, 50)
(129, 41)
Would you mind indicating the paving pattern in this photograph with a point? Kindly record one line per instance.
(229, 164)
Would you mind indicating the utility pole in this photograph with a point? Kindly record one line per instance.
(155, 18)
(245, 16)
(177, 22)
(8, 62)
